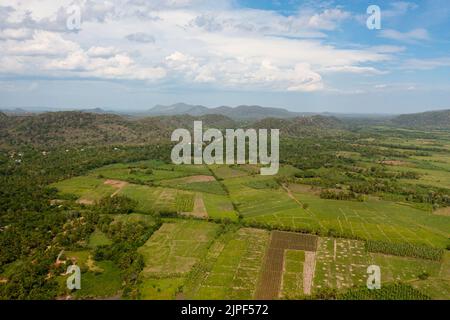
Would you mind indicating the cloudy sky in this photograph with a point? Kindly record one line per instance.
(301, 55)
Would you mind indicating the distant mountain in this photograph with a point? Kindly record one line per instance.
(15, 111)
(238, 113)
(178, 109)
(431, 120)
(96, 110)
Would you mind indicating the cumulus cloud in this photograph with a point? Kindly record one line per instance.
(16, 34)
(141, 37)
(227, 48)
(413, 36)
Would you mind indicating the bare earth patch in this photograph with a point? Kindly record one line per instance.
(308, 271)
(199, 208)
(192, 179)
(393, 162)
(85, 201)
(116, 184)
(303, 188)
(442, 212)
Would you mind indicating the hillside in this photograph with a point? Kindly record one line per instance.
(56, 129)
(431, 120)
(301, 125)
(238, 113)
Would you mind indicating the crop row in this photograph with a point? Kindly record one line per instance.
(405, 250)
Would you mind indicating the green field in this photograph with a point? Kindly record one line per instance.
(263, 200)
(176, 247)
(292, 283)
(234, 274)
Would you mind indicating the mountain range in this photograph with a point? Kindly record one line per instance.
(242, 112)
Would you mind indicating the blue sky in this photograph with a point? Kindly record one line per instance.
(301, 55)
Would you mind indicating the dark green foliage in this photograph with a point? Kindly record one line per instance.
(405, 250)
(395, 291)
(116, 205)
(340, 195)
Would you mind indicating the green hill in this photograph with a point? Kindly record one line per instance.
(301, 125)
(55, 129)
(431, 120)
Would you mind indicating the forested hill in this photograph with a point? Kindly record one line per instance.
(301, 125)
(56, 129)
(59, 129)
(430, 120)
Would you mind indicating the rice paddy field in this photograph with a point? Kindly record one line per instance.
(218, 244)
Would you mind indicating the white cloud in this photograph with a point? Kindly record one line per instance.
(398, 8)
(413, 36)
(16, 34)
(425, 64)
(329, 19)
(189, 43)
(353, 69)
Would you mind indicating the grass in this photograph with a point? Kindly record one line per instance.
(146, 196)
(261, 202)
(98, 238)
(135, 217)
(80, 256)
(340, 264)
(372, 219)
(184, 202)
(206, 187)
(85, 187)
(148, 171)
(100, 284)
(160, 289)
(438, 289)
(236, 269)
(344, 265)
(219, 206)
(292, 283)
(176, 247)
(403, 269)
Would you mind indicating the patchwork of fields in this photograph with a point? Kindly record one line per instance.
(189, 257)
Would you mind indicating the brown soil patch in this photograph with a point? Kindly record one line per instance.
(192, 179)
(303, 188)
(116, 183)
(119, 185)
(393, 162)
(308, 271)
(85, 201)
(269, 284)
(442, 212)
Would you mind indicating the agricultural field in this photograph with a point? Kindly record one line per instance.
(236, 267)
(100, 279)
(229, 233)
(176, 247)
(292, 285)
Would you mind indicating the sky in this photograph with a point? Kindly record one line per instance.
(308, 55)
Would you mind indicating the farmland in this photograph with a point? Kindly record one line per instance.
(148, 229)
(195, 259)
